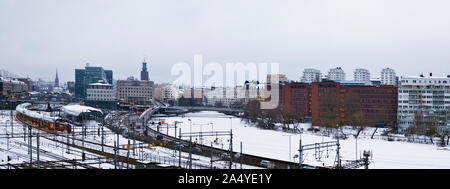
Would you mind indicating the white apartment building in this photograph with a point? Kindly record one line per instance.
(388, 77)
(336, 74)
(281, 77)
(311, 75)
(100, 92)
(224, 96)
(430, 95)
(169, 93)
(361, 75)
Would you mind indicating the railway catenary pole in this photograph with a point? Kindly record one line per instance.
(73, 136)
(7, 136)
(115, 155)
(67, 145)
(117, 150)
(240, 155)
(128, 154)
(11, 118)
(103, 136)
(179, 150)
(337, 153)
(82, 133)
(24, 130)
(231, 147)
(300, 154)
(30, 146)
(37, 141)
(190, 144)
(134, 137)
(211, 154)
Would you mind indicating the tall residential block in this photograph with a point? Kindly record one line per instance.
(336, 74)
(311, 75)
(361, 75)
(388, 77)
(426, 95)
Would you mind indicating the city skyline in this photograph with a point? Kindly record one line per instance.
(41, 36)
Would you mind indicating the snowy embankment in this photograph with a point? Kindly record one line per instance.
(275, 144)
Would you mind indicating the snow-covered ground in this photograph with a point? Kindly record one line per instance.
(275, 144)
(17, 149)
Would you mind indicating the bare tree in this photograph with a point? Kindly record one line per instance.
(354, 116)
(328, 109)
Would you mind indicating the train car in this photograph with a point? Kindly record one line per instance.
(41, 120)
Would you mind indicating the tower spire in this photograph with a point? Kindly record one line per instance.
(56, 79)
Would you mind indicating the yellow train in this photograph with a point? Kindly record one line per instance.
(41, 120)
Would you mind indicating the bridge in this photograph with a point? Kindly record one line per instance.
(207, 108)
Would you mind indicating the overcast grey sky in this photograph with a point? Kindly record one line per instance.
(36, 36)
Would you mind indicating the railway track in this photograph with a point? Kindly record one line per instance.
(247, 159)
(42, 153)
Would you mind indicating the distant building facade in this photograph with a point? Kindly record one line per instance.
(361, 75)
(11, 86)
(388, 77)
(377, 104)
(100, 95)
(336, 74)
(71, 86)
(135, 92)
(84, 77)
(311, 75)
(425, 95)
(281, 77)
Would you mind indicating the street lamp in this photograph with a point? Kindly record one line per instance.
(289, 147)
(296, 156)
(190, 143)
(356, 147)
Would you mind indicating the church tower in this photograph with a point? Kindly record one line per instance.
(56, 79)
(144, 72)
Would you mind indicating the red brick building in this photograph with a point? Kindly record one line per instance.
(377, 104)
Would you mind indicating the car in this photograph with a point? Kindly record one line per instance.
(267, 164)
